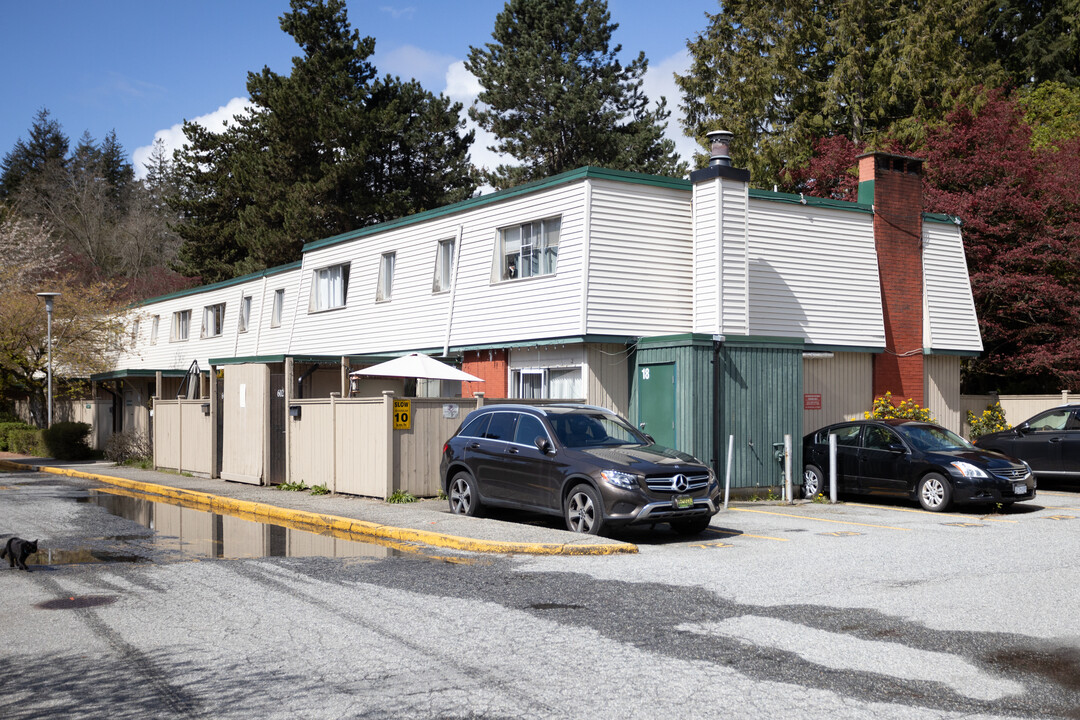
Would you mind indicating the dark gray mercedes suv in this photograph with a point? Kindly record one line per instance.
(582, 462)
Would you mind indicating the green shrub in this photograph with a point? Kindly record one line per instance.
(907, 410)
(67, 440)
(401, 496)
(320, 489)
(129, 447)
(25, 441)
(991, 420)
(6, 427)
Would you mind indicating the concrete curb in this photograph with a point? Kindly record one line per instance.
(271, 513)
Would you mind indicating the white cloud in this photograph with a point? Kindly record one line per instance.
(461, 85)
(409, 61)
(174, 137)
(660, 81)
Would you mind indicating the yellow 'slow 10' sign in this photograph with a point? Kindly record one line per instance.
(402, 414)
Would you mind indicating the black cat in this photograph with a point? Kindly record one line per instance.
(17, 550)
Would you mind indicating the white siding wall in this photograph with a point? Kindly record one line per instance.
(949, 310)
(845, 383)
(814, 275)
(736, 300)
(641, 265)
(167, 354)
(706, 210)
(483, 311)
(942, 382)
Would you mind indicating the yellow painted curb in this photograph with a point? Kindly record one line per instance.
(232, 506)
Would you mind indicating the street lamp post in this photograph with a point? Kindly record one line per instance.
(49, 297)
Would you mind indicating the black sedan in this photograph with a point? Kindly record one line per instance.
(916, 460)
(581, 462)
(1048, 442)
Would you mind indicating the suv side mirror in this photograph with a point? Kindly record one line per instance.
(897, 447)
(1022, 428)
(543, 445)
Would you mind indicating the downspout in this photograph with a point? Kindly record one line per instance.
(453, 290)
(300, 381)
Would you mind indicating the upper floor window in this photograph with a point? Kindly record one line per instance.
(245, 314)
(329, 286)
(386, 277)
(279, 307)
(154, 328)
(213, 320)
(181, 321)
(135, 331)
(529, 250)
(444, 266)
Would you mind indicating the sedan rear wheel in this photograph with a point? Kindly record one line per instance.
(584, 513)
(935, 492)
(462, 494)
(813, 482)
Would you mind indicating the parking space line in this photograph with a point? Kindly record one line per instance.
(732, 533)
(926, 512)
(814, 519)
(1057, 494)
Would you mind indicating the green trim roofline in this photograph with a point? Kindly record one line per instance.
(796, 199)
(582, 173)
(122, 374)
(942, 218)
(222, 284)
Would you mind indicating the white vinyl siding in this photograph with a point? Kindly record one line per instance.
(483, 313)
(641, 276)
(706, 258)
(329, 286)
(950, 320)
(941, 380)
(814, 275)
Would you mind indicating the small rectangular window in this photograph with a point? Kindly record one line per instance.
(529, 250)
(213, 320)
(180, 325)
(444, 266)
(386, 277)
(153, 329)
(135, 331)
(329, 287)
(279, 308)
(245, 314)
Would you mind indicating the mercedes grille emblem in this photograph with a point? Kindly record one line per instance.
(680, 483)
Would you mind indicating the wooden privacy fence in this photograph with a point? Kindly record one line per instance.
(182, 439)
(1017, 408)
(351, 446)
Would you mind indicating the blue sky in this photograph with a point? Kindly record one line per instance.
(141, 67)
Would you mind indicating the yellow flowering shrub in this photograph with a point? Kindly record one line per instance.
(885, 408)
(991, 420)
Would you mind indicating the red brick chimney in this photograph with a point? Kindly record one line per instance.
(894, 185)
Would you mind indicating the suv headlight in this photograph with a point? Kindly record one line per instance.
(620, 479)
(968, 470)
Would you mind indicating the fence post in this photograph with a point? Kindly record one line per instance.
(391, 438)
(479, 399)
(787, 470)
(333, 440)
(180, 436)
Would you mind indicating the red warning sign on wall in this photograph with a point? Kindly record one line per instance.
(811, 402)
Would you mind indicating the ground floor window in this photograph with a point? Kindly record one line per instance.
(547, 383)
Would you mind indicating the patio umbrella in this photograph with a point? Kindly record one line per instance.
(416, 365)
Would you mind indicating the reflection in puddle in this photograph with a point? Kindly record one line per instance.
(187, 533)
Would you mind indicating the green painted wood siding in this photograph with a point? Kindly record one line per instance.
(761, 401)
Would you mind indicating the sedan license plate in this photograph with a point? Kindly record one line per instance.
(1020, 489)
(681, 502)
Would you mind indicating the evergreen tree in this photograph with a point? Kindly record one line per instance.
(326, 149)
(780, 73)
(557, 98)
(47, 145)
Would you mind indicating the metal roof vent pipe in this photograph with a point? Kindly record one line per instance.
(719, 147)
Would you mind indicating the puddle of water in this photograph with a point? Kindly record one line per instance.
(180, 532)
